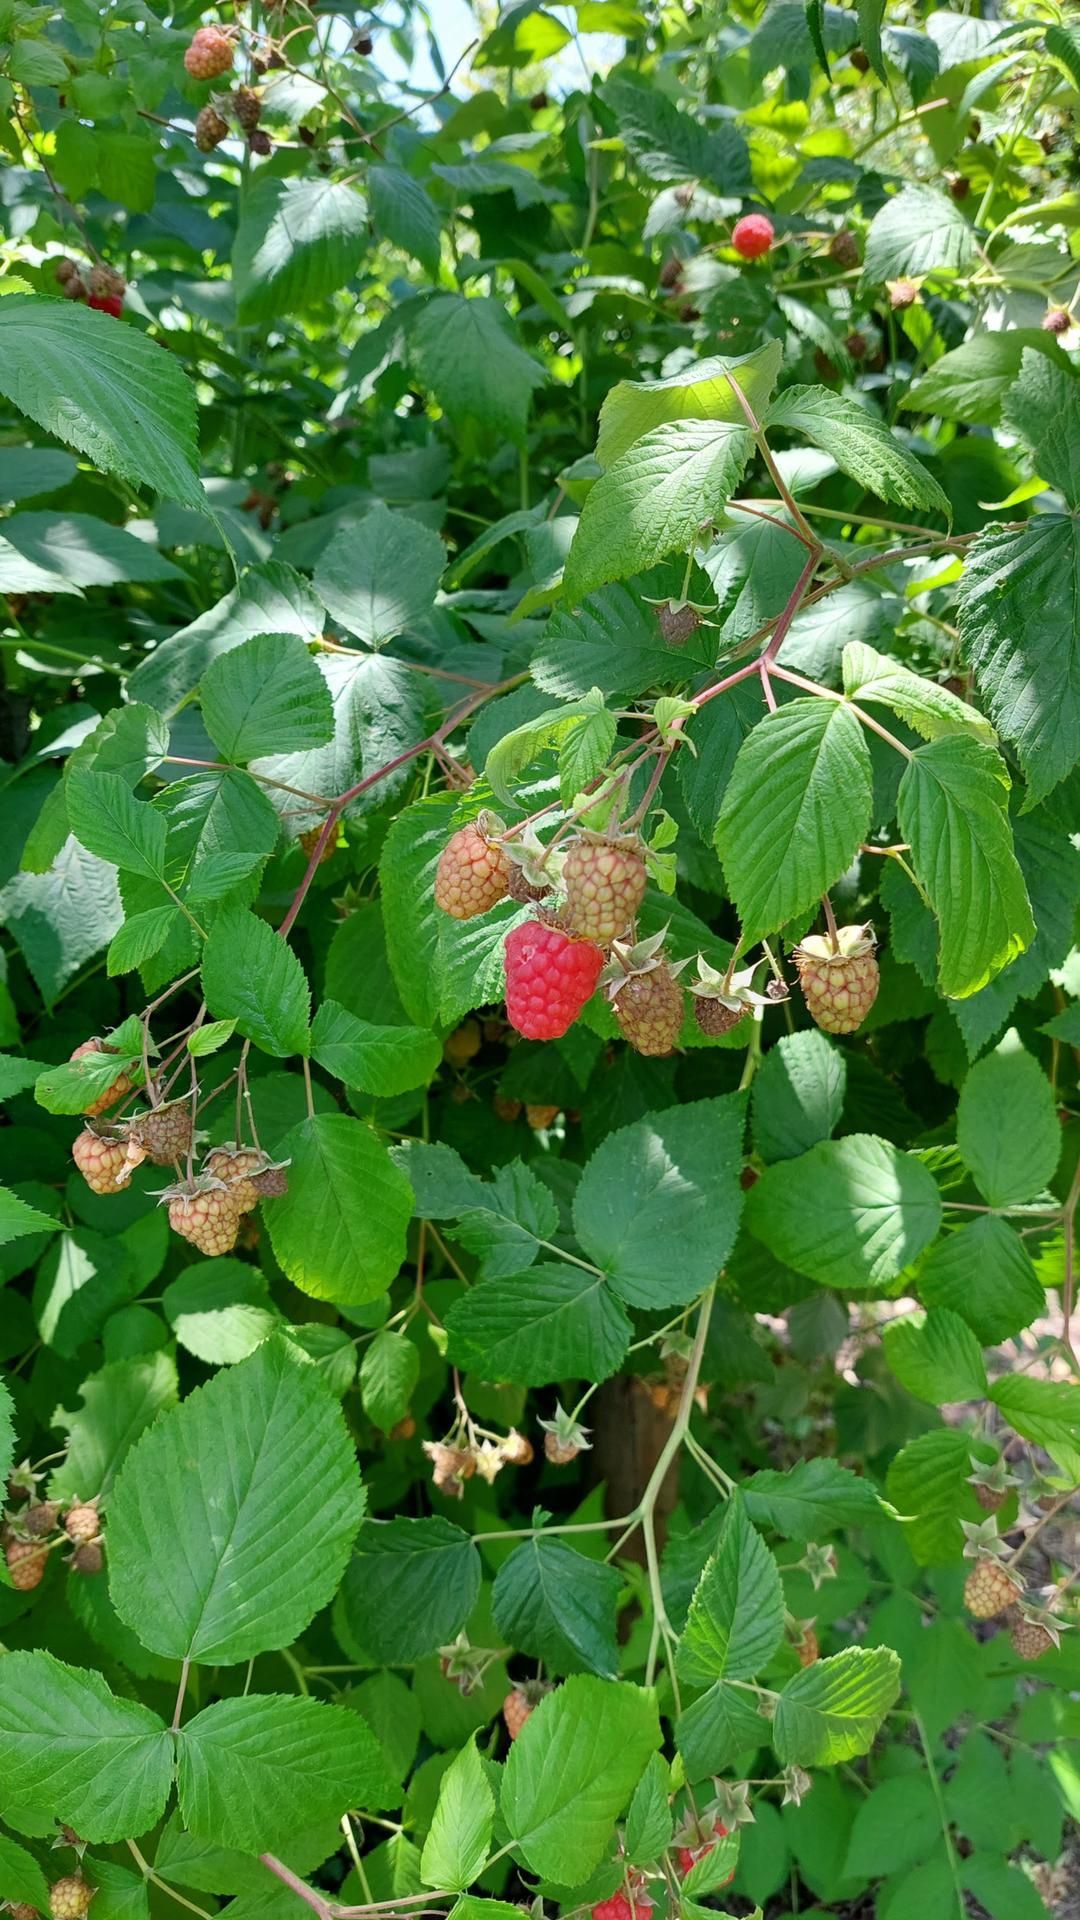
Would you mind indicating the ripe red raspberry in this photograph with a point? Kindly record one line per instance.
(1056, 320)
(111, 1095)
(163, 1133)
(752, 235)
(82, 1521)
(26, 1563)
(70, 1898)
(210, 130)
(472, 874)
(210, 53)
(101, 1162)
(620, 1908)
(990, 1588)
(839, 982)
(689, 1856)
(208, 1216)
(605, 884)
(549, 977)
(106, 303)
(1030, 1640)
(649, 1010)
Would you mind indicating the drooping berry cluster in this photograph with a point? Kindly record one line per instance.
(208, 1209)
(102, 288)
(32, 1528)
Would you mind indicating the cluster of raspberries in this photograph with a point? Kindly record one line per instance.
(206, 1207)
(557, 960)
(100, 287)
(32, 1528)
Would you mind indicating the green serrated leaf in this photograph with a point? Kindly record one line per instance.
(105, 389)
(832, 1711)
(460, 1836)
(952, 811)
(796, 808)
(73, 1751)
(226, 1562)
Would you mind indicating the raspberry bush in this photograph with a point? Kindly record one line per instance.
(539, 995)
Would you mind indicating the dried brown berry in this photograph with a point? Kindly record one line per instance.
(259, 142)
(89, 1559)
(649, 1010)
(40, 1520)
(844, 248)
(714, 1017)
(163, 1133)
(860, 60)
(677, 620)
(247, 107)
(210, 129)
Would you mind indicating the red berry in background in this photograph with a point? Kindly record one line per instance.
(471, 875)
(689, 1856)
(620, 1908)
(549, 977)
(210, 53)
(1056, 320)
(106, 303)
(753, 235)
